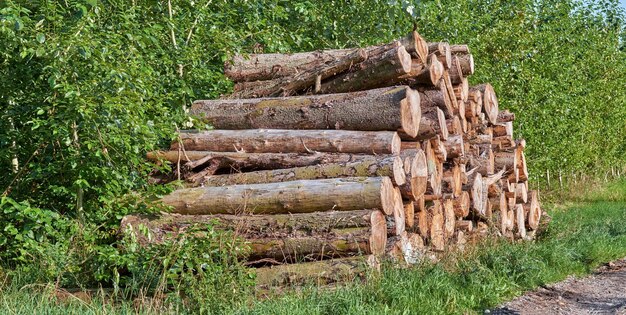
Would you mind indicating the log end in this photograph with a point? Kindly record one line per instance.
(388, 198)
(378, 238)
(435, 69)
(405, 60)
(411, 113)
(534, 211)
(421, 47)
(399, 176)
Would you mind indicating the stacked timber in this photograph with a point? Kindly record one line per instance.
(327, 160)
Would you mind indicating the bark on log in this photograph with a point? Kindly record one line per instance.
(270, 66)
(323, 272)
(460, 49)
(505, 116)
(291, 141)
(289, 85)
(302, 196)
(508, 161)
(503, 129)
(372, 166)
(454, 126)
(338, 243)
(454, 146)
(168, 226)
(373, 110)
(466, 226)
(378, 70)
(485, 162)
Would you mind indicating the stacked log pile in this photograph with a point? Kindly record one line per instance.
(333, 159)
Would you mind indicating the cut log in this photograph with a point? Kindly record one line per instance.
(520, 222)
(432, 124)
(435, 171)
(399, 218)
(409, 214)
(416, 46)
(257, 161)
(270, 66)
(461, 90)
(302, 196)
(408, 248)
(291, 141)
(424, 74)
(323, 272)
(485, 162)
(503, 129)
(459, 49)
(416, 172)
(522, 168)
(442, 51)
(423, 218)
(508, 161)
(410, 145)
(466, 226)
(454, 146)
(449, 218)
(452, 180)
(338, 243)
(436, 98)
(370, 166)
(476, 194)
(521, 192)
(456, 72)
(466, 61)
(454, 126)
(505, 116)
(437, 234)
(462, 205)
(378, 70)
(168, 226)
(289, 85)
(380, 109)
(534, 210)
(490, 101)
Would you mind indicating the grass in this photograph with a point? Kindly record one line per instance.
(583, 234)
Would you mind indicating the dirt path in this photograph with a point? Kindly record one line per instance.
(604, 292)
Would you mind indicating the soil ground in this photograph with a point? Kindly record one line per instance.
(604, 292)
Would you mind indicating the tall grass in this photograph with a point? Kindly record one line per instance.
(582, 235)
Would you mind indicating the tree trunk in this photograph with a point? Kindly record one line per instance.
(256, 161)
(373, 110)
(285, 86)
(291, 141)
(372, 166)
(323, 272)
(302, 196)
(378, 70)
(167, 226)
(270, 66)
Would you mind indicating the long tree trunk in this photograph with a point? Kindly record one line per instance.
(372, 166)
(373, 110)
(290, 141)
(167, 226)
(300, 196)
(380, 70)
(317, 273)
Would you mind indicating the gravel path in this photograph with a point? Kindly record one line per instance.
(604, 292)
